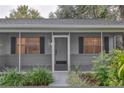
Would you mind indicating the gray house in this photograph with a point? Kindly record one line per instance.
(58, 44)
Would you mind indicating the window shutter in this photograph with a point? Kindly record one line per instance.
(42, 45)
(13, 45)
(81, 45)
(106, 44)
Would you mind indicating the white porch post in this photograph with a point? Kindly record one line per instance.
(19, 51)
(101, 42)
(53, 52)
(69, 52)
(102, 45)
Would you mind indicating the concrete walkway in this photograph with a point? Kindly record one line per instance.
(60, 79)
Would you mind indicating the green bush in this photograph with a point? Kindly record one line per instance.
(90, 78)
(39, 76)
(81, 79)
(110, 68)
(75, 81)
(35, 77)
(100, 66)
(11, 78)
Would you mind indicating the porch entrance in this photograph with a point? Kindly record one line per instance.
(60, 53)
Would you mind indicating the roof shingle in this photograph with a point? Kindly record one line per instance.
(61, 21)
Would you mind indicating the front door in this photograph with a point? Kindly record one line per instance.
(60, 53)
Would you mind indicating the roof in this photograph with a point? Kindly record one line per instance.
(62, 21)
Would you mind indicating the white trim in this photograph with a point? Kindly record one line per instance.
(19, 51)
(61, 71)
(58, 36)
(53, 51)
(102, 45)
(69, 52)
(58, 26)
(101, 42)
(61, 30)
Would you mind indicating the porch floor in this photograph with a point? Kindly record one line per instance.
(60, 79)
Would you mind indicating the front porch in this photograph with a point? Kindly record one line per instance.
(57, 51)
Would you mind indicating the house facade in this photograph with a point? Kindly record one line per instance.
(57, 44)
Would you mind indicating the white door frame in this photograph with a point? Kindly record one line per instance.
(53, 50)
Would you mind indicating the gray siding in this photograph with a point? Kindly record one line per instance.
(85, 59)
(6, 58)
(12, 60)
(2, 60)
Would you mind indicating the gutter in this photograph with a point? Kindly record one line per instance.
(6, 26)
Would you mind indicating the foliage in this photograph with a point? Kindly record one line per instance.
(84, 11)
(90, 78)
(64, 12)
(24, 11)
(11, 78)
(35, 77)
(75, 81)
(101, 68)
(81, 79)
(39, 76)
(76, 68)
(110, 68)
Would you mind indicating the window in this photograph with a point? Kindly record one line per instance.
(89, 45)
(92, 45)
(28, 45)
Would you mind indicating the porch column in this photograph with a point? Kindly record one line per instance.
(69, 52)
(101, 42)
(53, 53)
(19, 51)
(102, 45)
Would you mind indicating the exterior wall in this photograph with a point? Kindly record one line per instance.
(84, 60)
(12, 60)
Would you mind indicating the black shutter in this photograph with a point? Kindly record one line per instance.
(81, 45)
(42, 45)
(106, 44)
(13, 45)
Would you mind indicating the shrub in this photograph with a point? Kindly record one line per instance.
(90, 78)
(79, 80)
(110, 68)
(36, 77)
(39, 76)
(77, 68)
(116, 68)
(100, 65)
(11, 78)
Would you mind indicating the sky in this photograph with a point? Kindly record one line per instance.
(44, 10)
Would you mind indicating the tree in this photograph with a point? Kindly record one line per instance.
(24, 11)
(90, 11)
(64, 12)
(121, 9)
(51, 15)
(84, 11)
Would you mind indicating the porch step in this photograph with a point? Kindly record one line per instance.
(60, 79)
